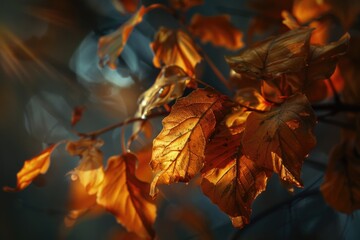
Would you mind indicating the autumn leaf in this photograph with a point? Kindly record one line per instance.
(178, 151)
(230, 179)
(126, 6)
(169, 85)
(111, 45)
(216, 29)
(32, 168)
(77, 115)
(184, 5)
(274, 56)
(90, 171)
(175, 47)
(280, 139)
(125, 196)
(341, 186)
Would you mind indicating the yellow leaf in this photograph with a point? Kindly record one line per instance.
(178, 151)
(31, 169)
(90, 171)
(231, 180)
(127, 197)
(111, 45)
(175, 47)
(280, 139)
(216, 29)
(341, 186)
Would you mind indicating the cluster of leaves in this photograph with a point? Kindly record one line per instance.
(233, 143)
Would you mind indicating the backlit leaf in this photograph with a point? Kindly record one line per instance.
(90, 171)
(125, 196)
(185, 5)
(280, 139)
(178, 151)
(341, 186)
(32, 168)
(111, 45)
(231, 180)
(175, 47)
(216, 29)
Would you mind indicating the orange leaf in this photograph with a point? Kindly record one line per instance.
(77, 115)
(127, 197)
(216, 29)
(111, 45)
(90, 171)
(231, 180)
(341, 186)
(178, 151)
(175, 47)
(184, 5)
(126, 6)
(31, 169)
(280, 139)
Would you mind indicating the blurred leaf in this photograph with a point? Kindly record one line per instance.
(184, 5)
(126, 6)
(77, 115)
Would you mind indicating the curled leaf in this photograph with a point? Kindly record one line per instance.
(90, 171)
(280, 139)
(229, 179)
(178, 151)
(216, 29)
(175, 47)
(111, 45)
(32, 168)
(127, 197)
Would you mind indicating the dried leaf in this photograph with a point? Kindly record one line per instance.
(277, 55)
(126, 6)
(175, 47)
(111, 45)
(341, 186)
(169, 85)
(90, 171)
(127, 197)
(77, 115)
(178, 151)
(280, 139)
(216, 29)
(231, 180)
(184, 5)
(32, 168)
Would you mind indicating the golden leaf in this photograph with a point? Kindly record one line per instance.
(280, 139)
(184, 5)
(111, 45)
(341, 186)
(178, 151)
(32, 168)
(126, 6)
(125, 196)
(216, 29)
(175, 47)
(231, 180)
(274, 56)
(90, 171)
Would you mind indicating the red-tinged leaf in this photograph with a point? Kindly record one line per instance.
(90, 171)
(32, 168)
(231, 180)
(111, 45)
(178, 151)
(184, 5)
(175, 47)
(126, 6)
(280, 139)
(278, 55)
(77, 114)
(341, 186)
(216, 29)
(127, 197)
